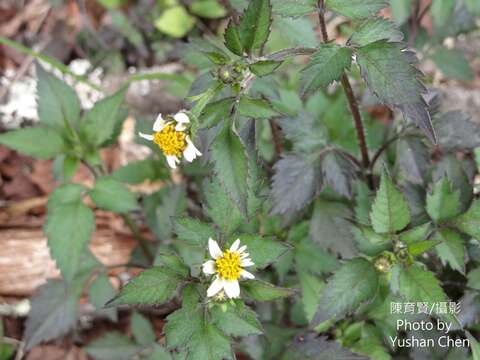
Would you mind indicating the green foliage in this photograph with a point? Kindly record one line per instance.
(263, 291)
(175, 21)
(263, 251)
(356, 8)
(442, 202)
(109, 194)
(193, 231)
(113, 345)
(452, 64)
(255, 24)
(236, 319)
(375, 29)
(469, 221)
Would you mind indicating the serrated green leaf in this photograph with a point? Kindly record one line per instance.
(69, 226)
(469, 222)
(210, 9)
(175, 21)
(217, 57)
(451, 249)
(308, 134)
(231, 165)
(475, 345)
(153, 286)
(38, 142)
(112, 345)
(390, 211)
(453, 64)
(194, 232)
(353, 284)
(375, 29)
(311, 290)
(419, 247)
(474, 279)
(142, 330)
(326, 65)
(443, 203)
(293, 8)
(99, 123)
(339, 172)
(255, 24)
(263, 250)
(413, 159)
(418, 233)
(264, 67)
(387, 68)
(216, 111)
(160, 353)
(232, 39)
(441, 11)
(136, 172)
(356, 8)
(172, 262)
(457, 131)
(110, 194)
(209, 344)
(100, 291)
(363, 203)
(236, 319)
(255, 108)
(58, 104)
(263, 291)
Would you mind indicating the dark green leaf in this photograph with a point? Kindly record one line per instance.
(307, 133)
(69, 226)
(153, 286)
(172, 262)
(443, 203)
(474, 279)
(339, 172)
(38, 142)
(217, 57)
(110, 194)
(160, 353)
(413, 159)
(351, 285)
(375, 29)
(112, 345)
(327, 65)
(256, 108)
(356, 8)
(474, 345)
(311, 290)
(136, 172)
(469, 222)
(232, 39)
(263, 251)
(236, 319)
(390, 212)
(231, 165)
(387, 68)
(216, 111)
(100, 291)
(210, 9)
(451, 249)
(293, 8)
(264, 67)
(193, 231)
(441, 11)
(457, 131)
(255, 24)
(263, 291)
(58, 104)
(209, 344)
(142, 330)
(453, 64)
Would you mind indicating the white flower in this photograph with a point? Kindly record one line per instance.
(228, 267)
(172, 138)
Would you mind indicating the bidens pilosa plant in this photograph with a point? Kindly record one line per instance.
(339, 219)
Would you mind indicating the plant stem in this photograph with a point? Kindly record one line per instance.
(352, 101)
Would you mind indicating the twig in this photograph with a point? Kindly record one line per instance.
(352, 101)
(277, 138)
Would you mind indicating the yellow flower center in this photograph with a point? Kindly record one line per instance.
(171, 142)
(229, 265)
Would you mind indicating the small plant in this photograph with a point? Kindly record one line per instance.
(342, 222)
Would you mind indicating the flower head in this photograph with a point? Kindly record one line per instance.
(228, 267)
(173, 139)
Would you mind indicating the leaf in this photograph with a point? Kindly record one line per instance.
(38, 142)
(69, 226)
(330, 228)
(453, 64)
(441, 11)
(231, 165)
(390, 211)
(307, 133)
(112, 345)
(372, 30)
(413, 159)
(256, 108)
(159, 353)
(263, 250)
(99, 123)
(263, 291)
(293, 8)
(295, 182)
(311, 290)
(339, 172)
(137, 172)
(457, 131)
(53, 313)
(175, 21)
(474, 345)
(153, 286)
(142, 330)
(236, 319)
(353, 284)
(255, 24)
(264, 67)
(193, 231)
(387, 68)
(216, 111)
(443, 203)
(451, 249)
(474, 279)
(112, 195)
(356, 8)
(232, 39)
(363, 203)
(172, 262)
(469, 222)
(326, 65)
(210, 9)
(217, 57)
(100, 291)
(209, 344)
(58, 104)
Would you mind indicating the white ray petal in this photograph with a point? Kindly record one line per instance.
(215, 287)
(244, 255)
(148, 137)
(232, 288)
(235, 245)
(172, 161)
(181, 118)
(189, 153)
(214, 249)
(209, 267)
(247, 262)
(242, 249)
(159, 124)
(246, 275)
